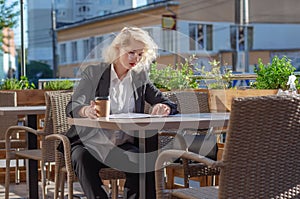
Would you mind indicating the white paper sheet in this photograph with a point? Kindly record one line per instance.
(132, 115)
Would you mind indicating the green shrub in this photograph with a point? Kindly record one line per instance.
(59, 85)
(15, 84)
(170, 77)
(216, 78)
(274, 75)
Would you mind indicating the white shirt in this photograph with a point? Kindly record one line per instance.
(121, 101)
(121, 93)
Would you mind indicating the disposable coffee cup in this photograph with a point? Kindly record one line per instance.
(102, 106)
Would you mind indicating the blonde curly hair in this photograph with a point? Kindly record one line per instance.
(111, 54)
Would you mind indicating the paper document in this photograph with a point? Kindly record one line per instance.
(132, 115)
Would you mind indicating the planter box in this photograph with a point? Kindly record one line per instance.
(34, 97)
(31, 97)
(220, 100)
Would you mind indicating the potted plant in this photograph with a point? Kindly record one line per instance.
(217, 77)
(274, 75)
(15, 84)
(170, 77)
(27, 95)
(59, 85)
(270, 78)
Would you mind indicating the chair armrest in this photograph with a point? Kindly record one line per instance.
(22, 130)
(168, 155)
(67, 149)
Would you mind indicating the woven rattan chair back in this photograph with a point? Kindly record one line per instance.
(189, 101)
(261, 154)
(59, 100)
(7, 98)
(48, 145)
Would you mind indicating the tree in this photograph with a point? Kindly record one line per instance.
(37, 70)
(8, 20)
(8, 14)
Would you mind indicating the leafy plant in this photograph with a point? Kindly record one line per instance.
(15, 84)
(274, 75)
(170, 77)
(8, 13)
(217, 78)
(59, 85)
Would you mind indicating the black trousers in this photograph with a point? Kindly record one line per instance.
(87, 166)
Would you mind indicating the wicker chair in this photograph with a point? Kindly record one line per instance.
(33, 154)
(9, 98)
(261, 157)
(188, 102)
(63, 163)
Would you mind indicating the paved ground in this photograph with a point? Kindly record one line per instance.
(20, 191)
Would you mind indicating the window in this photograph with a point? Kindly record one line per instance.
(209, 37)
(91, 47)
(121, 2)
(86, 48)
(192, 35)
(241, 37)
(168, 40)
(99, 46)
(74, 51)
(201, 36)
(63, 53)
(84, 9)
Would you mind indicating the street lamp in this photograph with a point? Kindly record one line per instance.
(53, 18)
(23, 63)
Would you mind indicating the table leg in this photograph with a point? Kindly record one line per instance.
(32, 164)
(148, 147)
(151, 146)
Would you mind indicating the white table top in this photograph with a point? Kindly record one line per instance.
(180, 121)
(22, 110)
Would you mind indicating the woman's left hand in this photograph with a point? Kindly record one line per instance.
(161, 109)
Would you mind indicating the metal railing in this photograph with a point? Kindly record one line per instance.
(242, 76)
(42, 82)
(248, 76)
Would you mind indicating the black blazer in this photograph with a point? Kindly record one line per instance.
(95, 81)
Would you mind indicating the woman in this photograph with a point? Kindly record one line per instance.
(123, 77)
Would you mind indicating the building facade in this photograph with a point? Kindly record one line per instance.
(208, 29)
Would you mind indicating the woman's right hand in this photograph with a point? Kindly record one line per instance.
(89, 111)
